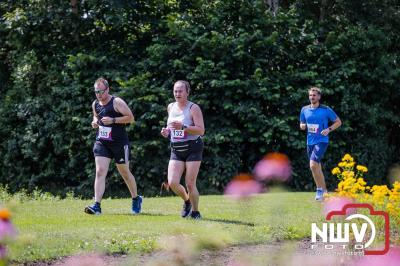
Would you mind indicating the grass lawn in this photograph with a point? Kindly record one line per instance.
(52, 228)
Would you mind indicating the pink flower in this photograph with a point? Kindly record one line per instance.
(274, 166)
(390, 258)
(84, 260)
(242, 186)
(312, 260)
(7, 230)
(3, 252)
(336, 204)
(238, 263)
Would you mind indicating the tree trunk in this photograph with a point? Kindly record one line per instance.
(322, 14)
(74, 6)
(273, 5)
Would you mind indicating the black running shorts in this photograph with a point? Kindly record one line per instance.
(120, 152)
(187, 151)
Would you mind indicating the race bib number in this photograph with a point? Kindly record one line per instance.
(105, 133)
(178, 134)
(312, 128)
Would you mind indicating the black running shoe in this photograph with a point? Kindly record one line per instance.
(195, 215)
(186, 209)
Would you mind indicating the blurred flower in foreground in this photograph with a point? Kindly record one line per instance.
(336, 204)
(84, 260)
(7, 232)
(242, 186)
(313, 260)
(238, 263)
(390, 258)
(274, 166)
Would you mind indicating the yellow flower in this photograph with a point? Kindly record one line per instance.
(379, 194)
(348, 174)
(347, 157)
(362, 168)
(392, 209)
(353, 185)
(335, 171)
(396, 186)
(394, 194)
(361, 181)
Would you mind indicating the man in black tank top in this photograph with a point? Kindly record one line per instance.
(110, 115)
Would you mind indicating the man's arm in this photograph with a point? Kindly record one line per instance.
(198, 127)
(95, 119)
(165, 131)
(303, 125)
(337, 123)
(121, 107)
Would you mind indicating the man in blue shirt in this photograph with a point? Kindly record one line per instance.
(315, 118)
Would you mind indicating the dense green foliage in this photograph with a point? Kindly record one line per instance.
(249, 70)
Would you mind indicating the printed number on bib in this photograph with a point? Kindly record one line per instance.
(312, 128)
(178, 134)
(105, 132)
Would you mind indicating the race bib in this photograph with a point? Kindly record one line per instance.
(178, 134)
(105, 133)
(312, 128)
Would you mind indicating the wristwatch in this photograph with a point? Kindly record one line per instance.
(184, 126)
(114, 120)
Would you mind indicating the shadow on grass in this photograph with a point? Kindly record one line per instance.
(228, 221)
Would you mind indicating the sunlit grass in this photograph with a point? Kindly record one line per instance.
(49, 229)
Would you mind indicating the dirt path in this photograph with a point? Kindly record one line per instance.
(206, 257)
(276, 253)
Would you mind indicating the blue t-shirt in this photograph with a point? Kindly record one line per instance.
(317, 120)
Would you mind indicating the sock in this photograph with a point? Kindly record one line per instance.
(187, 201)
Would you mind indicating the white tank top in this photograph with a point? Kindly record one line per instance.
(184, 116)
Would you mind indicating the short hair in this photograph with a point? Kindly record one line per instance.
(103, 81)
(186, 83)
(316, 89)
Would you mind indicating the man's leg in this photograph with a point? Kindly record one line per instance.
(130, 181)
(175, 171)
(128, 177)
(318, 175)
(102, 164)
(316, 152)
(121, 155)
(192, 170)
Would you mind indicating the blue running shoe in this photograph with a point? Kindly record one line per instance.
(195, 215)
(186, 209)
(93, 209)
(137, 205)
(319, 194)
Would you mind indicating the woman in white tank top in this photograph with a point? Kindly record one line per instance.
(185, 127)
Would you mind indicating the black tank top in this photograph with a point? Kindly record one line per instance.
(113, 132)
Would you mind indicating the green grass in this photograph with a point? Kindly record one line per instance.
(49, 229)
